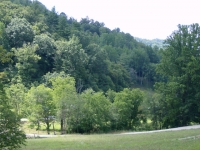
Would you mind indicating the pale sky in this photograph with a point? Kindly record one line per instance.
(141, 18)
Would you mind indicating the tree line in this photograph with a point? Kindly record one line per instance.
(57, 100)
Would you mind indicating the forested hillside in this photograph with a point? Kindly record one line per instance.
(97, 57)
(84, 76)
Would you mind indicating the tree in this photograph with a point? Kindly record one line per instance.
(42, 106)
(97, 68)
(71, 58)
(127, 103)
(9, 10)
(180, 64)
(37, 12)
(63, 27)
(95, 111)
(16, 95)
(11, 136)
(26, 63)
(64, 95)
(5, 55)
(19, 32)
(46, 49)
(52, 20)
(140, 63)
(3, 37)
(119, 76)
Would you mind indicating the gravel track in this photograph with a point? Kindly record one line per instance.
(126, 133)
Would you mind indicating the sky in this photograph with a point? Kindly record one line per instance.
(148, 19)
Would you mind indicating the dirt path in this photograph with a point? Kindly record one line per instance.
(164, 130)
(127, 133)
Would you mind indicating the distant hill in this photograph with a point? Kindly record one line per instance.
(152, 43)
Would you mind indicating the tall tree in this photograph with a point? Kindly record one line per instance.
(64, 93)
(63, 27)
(97, 67)
(52, 20)
(180, 64)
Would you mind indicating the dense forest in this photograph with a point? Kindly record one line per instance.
(89, 78)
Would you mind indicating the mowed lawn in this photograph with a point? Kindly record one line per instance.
(170, 140)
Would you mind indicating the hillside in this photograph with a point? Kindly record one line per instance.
(109, 59)
(152, 43)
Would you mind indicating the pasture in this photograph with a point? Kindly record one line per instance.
(170, 140)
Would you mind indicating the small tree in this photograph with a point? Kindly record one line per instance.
(42, 106)
(16, 94)
(128, 104)
(96, 114)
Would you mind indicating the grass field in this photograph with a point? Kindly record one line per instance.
(171, 140)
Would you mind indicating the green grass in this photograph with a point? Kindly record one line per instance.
(28, 130)
(176, 140)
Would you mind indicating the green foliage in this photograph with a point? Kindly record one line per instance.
(64, 95)
(16, 96)
(11, 136)
(180, 64)
(52, 20)
(26, 63)
(70, 58)
(42, 106)
(155, 110)
(63, 27)
(110, 94)
(9, 10)
(119, 75)
(22, 2)
(127, 103)
(96, 112)
(91, 25)
(3, 37)
(46, 50)
(19, 31)
(5, 57)
(98, 68)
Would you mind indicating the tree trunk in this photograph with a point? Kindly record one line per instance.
(48, 127)
(54, 129)
(61, 126)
